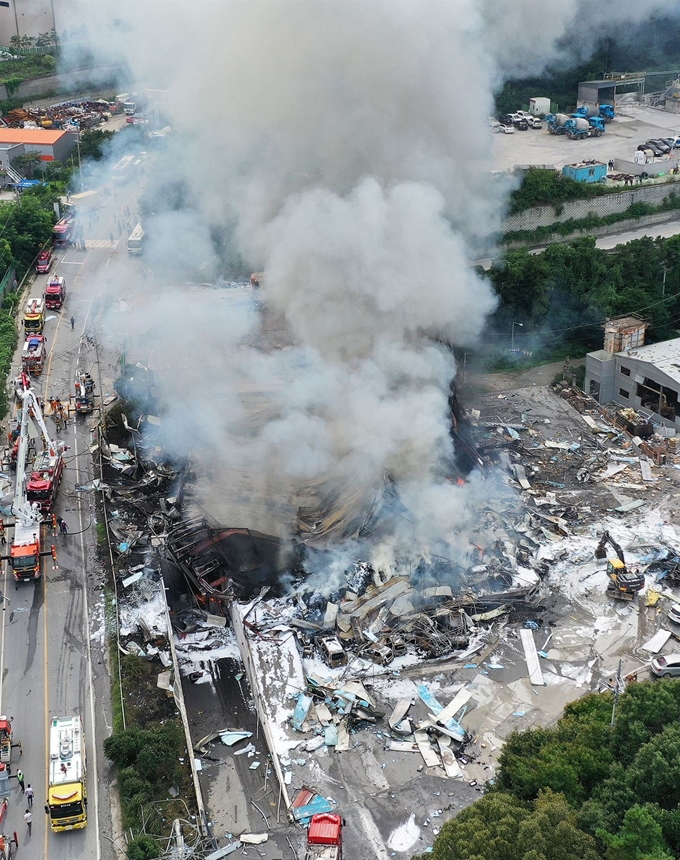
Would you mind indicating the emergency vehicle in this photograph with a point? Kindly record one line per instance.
(44, 261)
(33, 354)
(26, 548)
(63, 231)
(84, 400)
(43, 484)
(67, 775)
(34, 316)
(55, 293)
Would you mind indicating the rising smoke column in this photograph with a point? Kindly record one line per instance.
(344, 147)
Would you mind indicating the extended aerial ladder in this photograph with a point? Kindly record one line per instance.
(623, 583)
(26, 548)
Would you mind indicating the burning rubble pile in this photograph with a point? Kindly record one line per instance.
(142, 493)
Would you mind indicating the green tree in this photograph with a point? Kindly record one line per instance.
(27, 163)
(643, 712)
(486, 831)
(654, 774)
(122, 748)
(143, 848)
(640, 837)
(92, 143)
(553, 832)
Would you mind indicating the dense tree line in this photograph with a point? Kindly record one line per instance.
(563, 295)
(652, 46)
(583, 789)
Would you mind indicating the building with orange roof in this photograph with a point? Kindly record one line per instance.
(51, 145)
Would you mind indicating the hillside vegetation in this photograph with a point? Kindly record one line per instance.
(582, 789)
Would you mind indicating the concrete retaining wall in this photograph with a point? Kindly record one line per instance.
(68, 81)
(609, 229)
(544, 216)
(255, 679)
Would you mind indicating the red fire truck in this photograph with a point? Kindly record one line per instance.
(63, 231)
(55, 293)
(44, 262)
(33, 354)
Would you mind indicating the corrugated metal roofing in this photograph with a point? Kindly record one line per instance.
(665, 356)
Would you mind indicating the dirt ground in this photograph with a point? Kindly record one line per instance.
(478, 381)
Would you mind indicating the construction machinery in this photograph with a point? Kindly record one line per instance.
(604, 112)
(67, 775)
(34, 316)
(55, 293)
(84, 399)
(34, 354)
(34, 493)
(623, 583)
(324, 837)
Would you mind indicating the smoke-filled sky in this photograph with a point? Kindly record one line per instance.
(342, 148)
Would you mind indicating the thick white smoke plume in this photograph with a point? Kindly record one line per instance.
(341, 147)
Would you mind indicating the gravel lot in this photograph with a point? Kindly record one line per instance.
(633, 125)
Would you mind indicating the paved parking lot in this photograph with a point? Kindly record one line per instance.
(633, 125)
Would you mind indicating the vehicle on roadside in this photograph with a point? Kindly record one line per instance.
(135, 243)
(44, 263)
(506, 129)
(667, 666)
(674, 613)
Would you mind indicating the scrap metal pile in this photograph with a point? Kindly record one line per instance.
(87, 114)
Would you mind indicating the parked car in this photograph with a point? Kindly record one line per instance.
(667, 666)
(494, 125)
(650, 147)
(532, 121)
(674, 613)
(664, 147)
(506, 129)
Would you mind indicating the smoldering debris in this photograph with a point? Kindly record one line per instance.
(220, 562)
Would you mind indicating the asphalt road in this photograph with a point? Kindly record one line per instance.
(51, 636)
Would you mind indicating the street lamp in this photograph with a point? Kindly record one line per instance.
(512, 337)
(80, 166)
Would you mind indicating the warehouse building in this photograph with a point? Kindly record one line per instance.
(643, 378)
(52, 145)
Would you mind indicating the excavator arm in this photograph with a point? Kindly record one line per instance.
(601, 550)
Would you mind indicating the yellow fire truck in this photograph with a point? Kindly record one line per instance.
(67, 774)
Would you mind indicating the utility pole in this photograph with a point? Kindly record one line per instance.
(617, 690)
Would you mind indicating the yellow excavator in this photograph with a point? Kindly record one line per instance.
(623, 583)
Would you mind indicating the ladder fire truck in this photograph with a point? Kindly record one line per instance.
(67, 775)
(26, 549)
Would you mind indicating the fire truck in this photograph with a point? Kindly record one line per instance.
(33, 354)
(84, 400)
(324, 837)
(34, 316)
(67, 775)
(45, 479)
(26, 548)
(55, 293)
(63, 230)
(44, 261)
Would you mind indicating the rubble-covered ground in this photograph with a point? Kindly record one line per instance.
(435, 670)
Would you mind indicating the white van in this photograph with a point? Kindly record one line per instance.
(135, 244)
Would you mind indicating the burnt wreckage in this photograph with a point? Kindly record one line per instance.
(222, 563)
